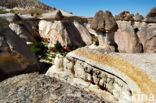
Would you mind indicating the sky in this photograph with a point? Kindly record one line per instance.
(88, 8)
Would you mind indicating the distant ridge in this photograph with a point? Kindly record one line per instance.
(24, 4)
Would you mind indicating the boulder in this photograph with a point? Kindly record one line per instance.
(127, 39)
(125, 15)
(34, 88)
(15, 55)
(65, 32)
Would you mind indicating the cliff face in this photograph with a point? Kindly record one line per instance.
(23, 4)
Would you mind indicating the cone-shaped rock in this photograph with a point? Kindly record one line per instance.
(152, 13)
(58, 15)
(138, 17)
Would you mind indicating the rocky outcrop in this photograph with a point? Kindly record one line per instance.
(119, 78)
(15, 55)
(67, 33)
(58, 15)
(125, 15)
(146, 35)
(54, 15)
(131, 37)
(23, 4)
(34, 88)
(138, 17)
(105, 25)
(151, 16)
(24, 26)
(127, 39)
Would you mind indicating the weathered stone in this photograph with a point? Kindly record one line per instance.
(58, 62)
(66, 33)
(98, 22)
(147, 35)
(79, 70)
(127, 39)
(151, 16)
(40, 88)
(138, 17)
(125, 15)
(58, 15)
(150, 45)
(110, 22)
(15, 55)
(10, 17)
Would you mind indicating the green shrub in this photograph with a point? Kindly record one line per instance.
(38, 48)
(58, 46)
(97, 43)
(3, 11)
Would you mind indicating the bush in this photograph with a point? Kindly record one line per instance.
(3, 12)
(58, 46)
(38, 48)
(97, 43)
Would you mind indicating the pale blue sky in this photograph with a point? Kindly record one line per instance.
(89, 7)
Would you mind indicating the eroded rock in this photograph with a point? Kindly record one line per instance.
(40, 88)
(15, 56)
(66, 33)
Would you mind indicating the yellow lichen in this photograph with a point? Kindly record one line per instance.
(145, 84)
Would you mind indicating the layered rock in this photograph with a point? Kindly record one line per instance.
(65, 32)
(40, 88)
(119, 78)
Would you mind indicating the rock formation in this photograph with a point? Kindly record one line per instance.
(15, 55)
(23, 4)
(127, 39)
(151, 16)
(109, 75)
(138, 17)
(105, 26)
(34, 88)
(136, 36)
(67, 33)
(58, 15)
(125, 15)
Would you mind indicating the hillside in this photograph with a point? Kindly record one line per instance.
(23, 4)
